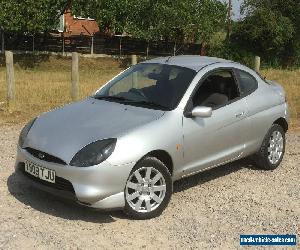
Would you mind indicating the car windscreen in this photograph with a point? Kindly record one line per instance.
(158, 86)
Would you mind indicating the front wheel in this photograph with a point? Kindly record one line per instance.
(272, 149)
(148, 189)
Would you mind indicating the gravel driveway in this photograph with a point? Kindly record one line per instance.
(209, 210)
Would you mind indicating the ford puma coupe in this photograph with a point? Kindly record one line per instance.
(156, 122)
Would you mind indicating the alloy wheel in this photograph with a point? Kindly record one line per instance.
(145, 189)
(275, 148)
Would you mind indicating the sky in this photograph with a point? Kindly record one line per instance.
(236, 4)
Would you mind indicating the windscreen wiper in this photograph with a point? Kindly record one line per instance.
(151, 104)
(128, 101)
(113, 98)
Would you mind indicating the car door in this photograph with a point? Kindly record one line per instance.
(220, 138)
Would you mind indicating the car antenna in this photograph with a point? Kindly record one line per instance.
(168, 59)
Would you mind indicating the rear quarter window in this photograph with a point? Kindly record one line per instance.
(247, 83)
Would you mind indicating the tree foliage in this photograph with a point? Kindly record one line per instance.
(156, 19)
(173, 20)
(270, 29)
(110, 15)
(269, 34)
(30, 15)
(208, 17)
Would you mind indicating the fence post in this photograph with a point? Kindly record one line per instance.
(174, 49)
(134, 76)
(257, 63)
(75, 77)
(63, 44)
(92, 46)
(133, 59)
(10, 79)
(147, 50)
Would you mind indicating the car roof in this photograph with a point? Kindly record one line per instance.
(192, 62)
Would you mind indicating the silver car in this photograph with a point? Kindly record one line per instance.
(156, 122)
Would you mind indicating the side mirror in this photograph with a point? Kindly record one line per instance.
(202, 111)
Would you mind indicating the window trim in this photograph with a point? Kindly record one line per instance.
(239, 82)
(189, 105)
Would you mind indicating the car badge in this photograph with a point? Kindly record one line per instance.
(41, 156)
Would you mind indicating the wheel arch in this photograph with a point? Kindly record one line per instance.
(164, 157)
(283, 123)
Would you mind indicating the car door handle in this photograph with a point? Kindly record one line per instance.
(239, 115)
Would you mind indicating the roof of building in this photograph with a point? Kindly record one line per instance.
(192, 62)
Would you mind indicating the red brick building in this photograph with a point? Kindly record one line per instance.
(72, 25)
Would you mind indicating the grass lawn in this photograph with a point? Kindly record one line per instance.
(43, 83)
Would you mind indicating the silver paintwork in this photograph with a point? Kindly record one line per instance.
(143, 193)
(96, 185)
(192, 62)
(64, 131)
(275, 148)
(194, 144)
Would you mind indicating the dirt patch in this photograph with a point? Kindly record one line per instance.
(209, 210)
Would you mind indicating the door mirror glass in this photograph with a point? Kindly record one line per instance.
(201, 111)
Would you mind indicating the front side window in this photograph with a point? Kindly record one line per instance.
(247, 82)
(217, 89)
(153, 84)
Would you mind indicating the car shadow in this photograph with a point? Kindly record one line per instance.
(21, 189)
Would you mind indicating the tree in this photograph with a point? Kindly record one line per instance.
(264, 32)
(174, 20)
(154, 20)
(209, 17)
(270, 29)
(30, 15)
(111, 15)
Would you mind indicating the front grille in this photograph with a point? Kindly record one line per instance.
(60, 183)
(44, 156)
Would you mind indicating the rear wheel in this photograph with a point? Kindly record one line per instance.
(272, 149)
(148, 189)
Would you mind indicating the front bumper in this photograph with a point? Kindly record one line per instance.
(100, 186)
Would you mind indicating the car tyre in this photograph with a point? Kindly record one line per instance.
(148, 189)
(272, 149)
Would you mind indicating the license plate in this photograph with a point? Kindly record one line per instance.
(40, 172)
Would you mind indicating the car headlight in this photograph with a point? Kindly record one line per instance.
(94, 153)
(25, 131)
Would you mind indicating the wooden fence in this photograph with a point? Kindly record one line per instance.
(98, 44)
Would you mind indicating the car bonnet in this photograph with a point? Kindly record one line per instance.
(64, 131)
